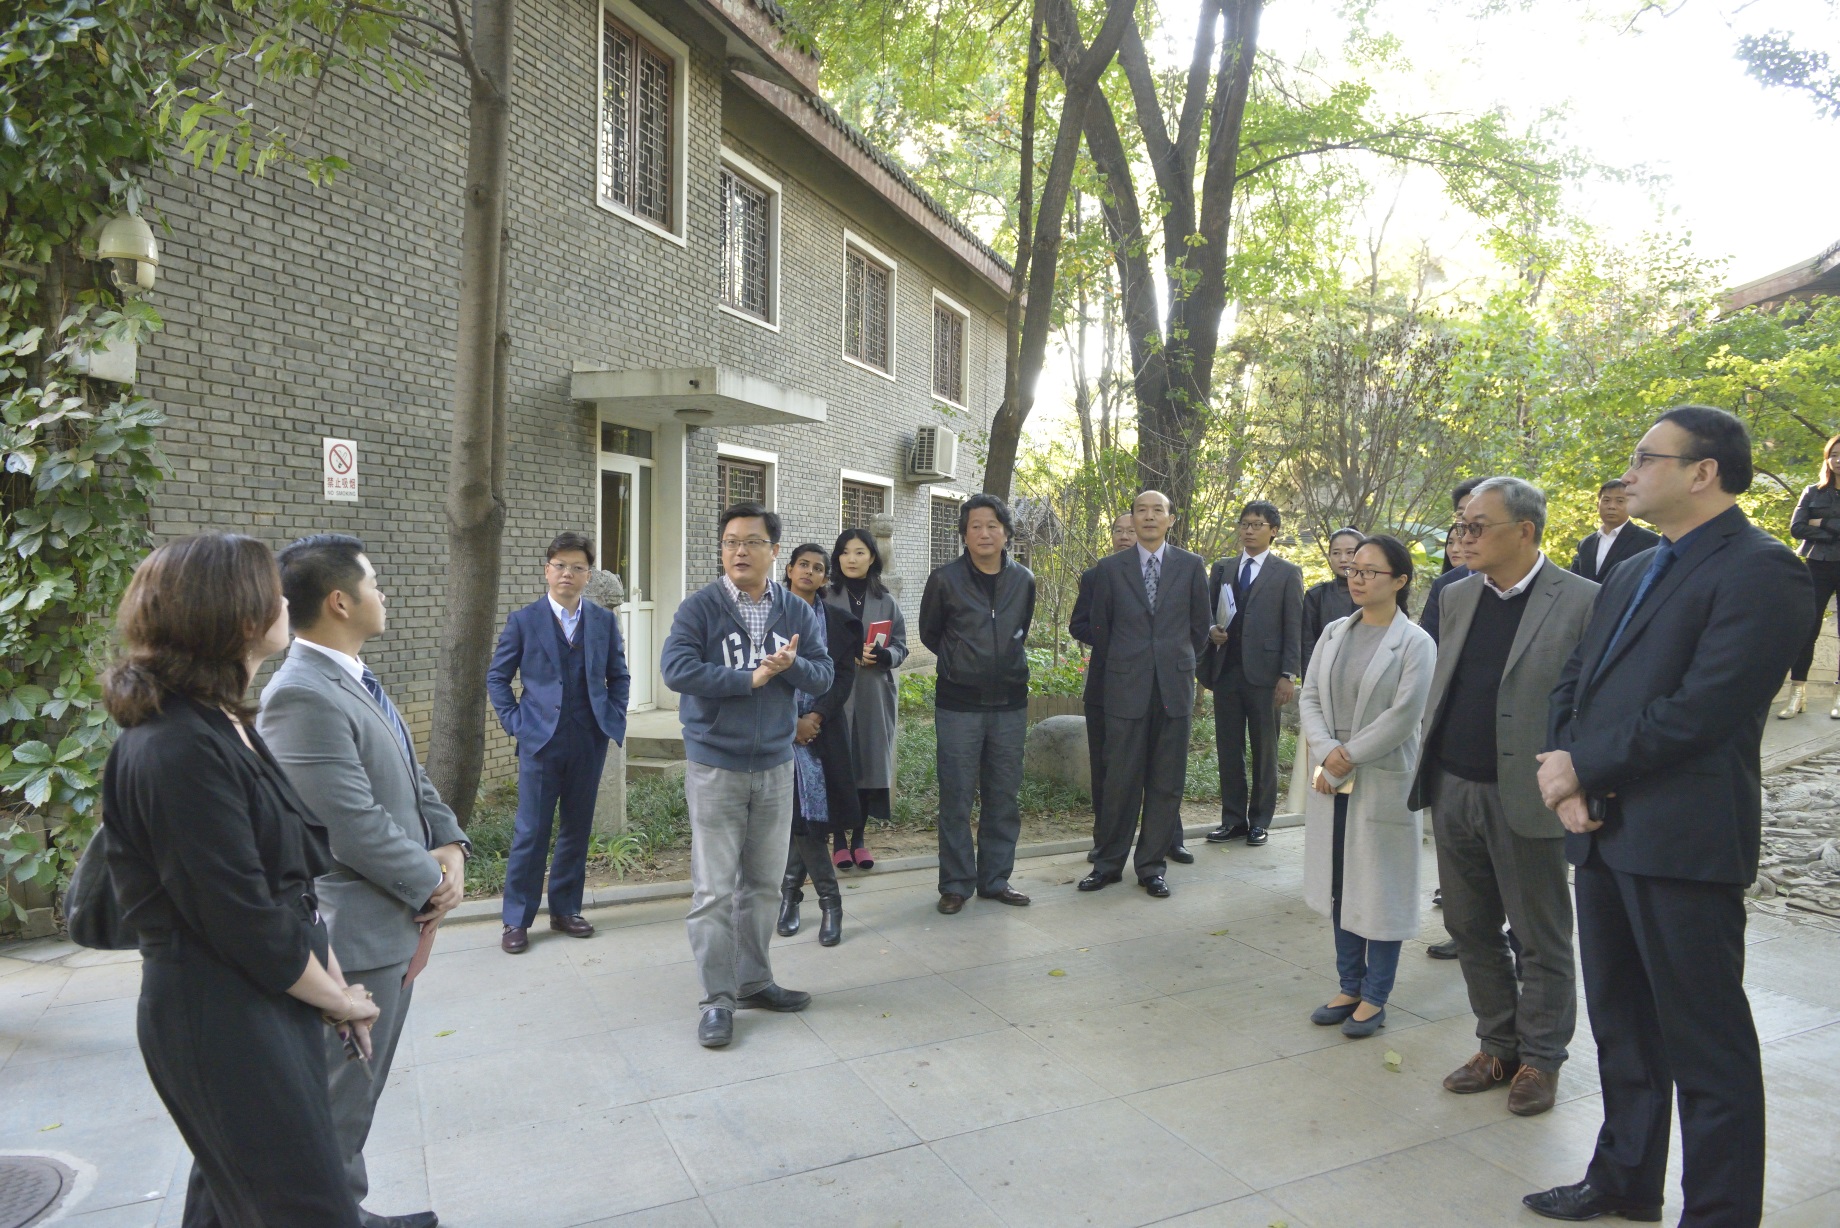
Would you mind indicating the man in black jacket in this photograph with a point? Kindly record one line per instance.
(1657, 722)
(1616, 539)
(975, 617)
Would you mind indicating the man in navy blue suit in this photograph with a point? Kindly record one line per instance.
(573, 665)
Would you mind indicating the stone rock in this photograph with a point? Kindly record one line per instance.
(1056, 750)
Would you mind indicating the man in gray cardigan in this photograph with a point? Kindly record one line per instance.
(400, 850)
(738, 649)
(1506, 633)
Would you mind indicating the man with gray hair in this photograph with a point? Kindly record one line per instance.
(1506, 633)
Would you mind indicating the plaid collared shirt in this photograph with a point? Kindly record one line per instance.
(756, 616)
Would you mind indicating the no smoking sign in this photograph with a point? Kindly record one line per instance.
(339, 468)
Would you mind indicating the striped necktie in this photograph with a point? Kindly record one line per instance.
(390, 713)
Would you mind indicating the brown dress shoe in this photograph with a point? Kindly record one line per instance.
(1479, 1074)
(1009, 895)
(575, 926)
(1533, 1092)
(950, 902)
(515, 941)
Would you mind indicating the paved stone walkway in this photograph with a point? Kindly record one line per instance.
(1104, 1059)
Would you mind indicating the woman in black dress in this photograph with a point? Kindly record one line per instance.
(212, 857)
(824, 798)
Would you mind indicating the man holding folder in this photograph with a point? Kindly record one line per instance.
(400, 852)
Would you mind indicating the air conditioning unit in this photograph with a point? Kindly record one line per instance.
(935, 453)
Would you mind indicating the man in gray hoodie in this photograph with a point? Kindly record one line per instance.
(738, 649)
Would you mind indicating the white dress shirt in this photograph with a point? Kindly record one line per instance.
(1606, 538)
(1255, 561)
(350, 664)
(569, 619)
(1144, 556)
(1539, 561)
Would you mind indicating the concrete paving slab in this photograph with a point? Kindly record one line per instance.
(908, 1187)
(975, 1082)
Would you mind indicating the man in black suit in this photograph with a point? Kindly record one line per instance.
(1149, 622)
(1657, 721)
(1616, 540)
(1252, 665)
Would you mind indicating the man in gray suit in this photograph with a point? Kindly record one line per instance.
(1252, 665)
(1505, 635)
(1149, 621)
(400, 852)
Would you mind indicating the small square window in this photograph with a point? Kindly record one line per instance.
(741, 482)
(862, 502)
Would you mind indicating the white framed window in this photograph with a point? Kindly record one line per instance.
(750, 200)
(746, 475)
(869, 284)
(862, 497)
(643, 121)
(943, 541)
(951, 334)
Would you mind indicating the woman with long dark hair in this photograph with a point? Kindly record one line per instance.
(873, 711)
(823, 774)
(1816, 528)
(1361, 705)
(212, 857)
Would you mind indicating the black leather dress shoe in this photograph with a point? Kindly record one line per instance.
(1009, 895)
(1155, 886)
(575, 926)
(950, 902)
(1446, 949)
(774, 998)
(416, 1219)
(1256, 836)
(716, 1028)
(1580, 1202)
(1224, 833)
(1181, 856)
(1098, 879)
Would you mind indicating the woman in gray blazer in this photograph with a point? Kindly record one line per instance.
(873, 710)
(1361, 704)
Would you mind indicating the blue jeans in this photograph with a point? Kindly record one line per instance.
(1367, 966)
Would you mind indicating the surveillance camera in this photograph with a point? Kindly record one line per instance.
(131, 276)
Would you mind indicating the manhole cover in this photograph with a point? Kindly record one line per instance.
(28, 1186)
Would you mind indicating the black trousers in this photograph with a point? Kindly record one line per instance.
(1826, 584)
(1148, 767)
(1244, 714)
(1663, 963)
(875, 804)
(1095, 755)
(243, 1074)
(810, 853)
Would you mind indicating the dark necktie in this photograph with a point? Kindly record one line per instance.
(1243, 582)
(389, 712)
(1153, 568)
(1657, 567)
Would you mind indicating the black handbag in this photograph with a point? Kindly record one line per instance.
(92, 913)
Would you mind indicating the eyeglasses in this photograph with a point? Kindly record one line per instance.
(1368, 575)
(569, 569)
(1475, 528)
(1255, 524)
(1642, 458)
(753, 545)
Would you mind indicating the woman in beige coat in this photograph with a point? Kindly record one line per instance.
(1361, 703)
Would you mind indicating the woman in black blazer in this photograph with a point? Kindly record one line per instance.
(213, 857)
(1816, 530)
(824, 796)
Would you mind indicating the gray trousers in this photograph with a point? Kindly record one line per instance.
(354, 1090)
(1490, 874)
(979, 755)
(740, 823)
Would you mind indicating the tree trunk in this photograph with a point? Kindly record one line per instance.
(1012, 319)
(476, 463)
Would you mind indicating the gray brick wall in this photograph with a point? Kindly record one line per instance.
(296, 312)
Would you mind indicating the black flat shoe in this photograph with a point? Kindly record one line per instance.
(1256, 836)
(774, 998)
(1181, 856)
(1326, 1016)
(1225, 833)
(1446, 949)
(1155, 886)
(1360, 1028)
(716, 1028)
(1098, 879)
(1580, 1202)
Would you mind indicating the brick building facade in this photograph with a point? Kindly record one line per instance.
(713, 282)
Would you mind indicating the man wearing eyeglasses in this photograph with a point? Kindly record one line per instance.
(568, 652)
(1657, 723)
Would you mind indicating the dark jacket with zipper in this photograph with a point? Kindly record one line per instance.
(1821, 542)
(843, 635)
(980, 637)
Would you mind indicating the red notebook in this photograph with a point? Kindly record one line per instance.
(879, 634)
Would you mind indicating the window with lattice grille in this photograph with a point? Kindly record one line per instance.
(948, 354)
(862, 501)
(741, 482)
(866, 286)
(636, 123)
(747, 247)
(944, 536)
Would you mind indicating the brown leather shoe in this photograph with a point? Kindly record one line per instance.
(1533, 1092)
(515, 940)
(1009, 895)
(575, 925)
(1479, 1074)
(950, 903)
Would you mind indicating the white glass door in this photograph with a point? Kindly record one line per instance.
(625, 550)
